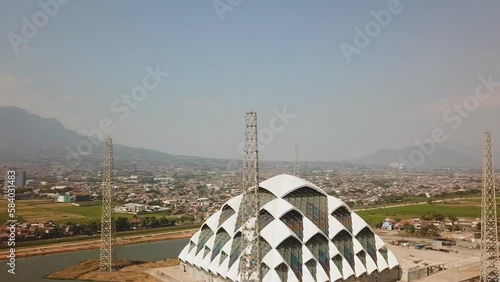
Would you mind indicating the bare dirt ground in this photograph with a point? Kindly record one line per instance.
(126, 271)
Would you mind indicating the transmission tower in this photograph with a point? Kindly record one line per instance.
(296, 168)
(108, 252)
(489, 229)
(250, 258)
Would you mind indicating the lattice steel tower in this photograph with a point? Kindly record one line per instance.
(296, 168)
(489, 229)
(108, 227)
(250, 258)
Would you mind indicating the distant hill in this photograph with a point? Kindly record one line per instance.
(25, 136)
(445, 156)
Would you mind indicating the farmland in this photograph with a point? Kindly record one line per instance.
(45, 210)
(458, 209)
(416, 211)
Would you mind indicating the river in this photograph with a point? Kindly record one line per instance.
(33, 269)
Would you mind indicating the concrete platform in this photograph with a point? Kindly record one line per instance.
(459, 262)
(171, 274)
(456, 274)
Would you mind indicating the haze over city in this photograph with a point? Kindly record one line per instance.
(249, 141)
(261, 55)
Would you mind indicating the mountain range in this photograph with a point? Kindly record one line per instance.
(25, 136)
(445, 155)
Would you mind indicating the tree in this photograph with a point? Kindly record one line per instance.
(203, 191)
(77, 229)
(408, 228)
(432, 216)
(164, 221)
(39, 233)
(145, 221)
(91, 227)
(350, 203)
(453, 219)
(186, 218)
(73, 228)
(122, 224)
(150, 180)
(428, 231)
(154, 222)
(56, 232)
(179, 185)
(438, 217)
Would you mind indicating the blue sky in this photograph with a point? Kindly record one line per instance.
(264, 55)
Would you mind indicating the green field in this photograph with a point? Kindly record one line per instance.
(45, 210)
(416, 211)
(469, 207)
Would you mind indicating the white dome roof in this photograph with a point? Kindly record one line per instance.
(319, 238)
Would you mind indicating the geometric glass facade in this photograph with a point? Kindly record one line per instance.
(305, 235)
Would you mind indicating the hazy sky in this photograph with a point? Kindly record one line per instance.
(263, 55)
